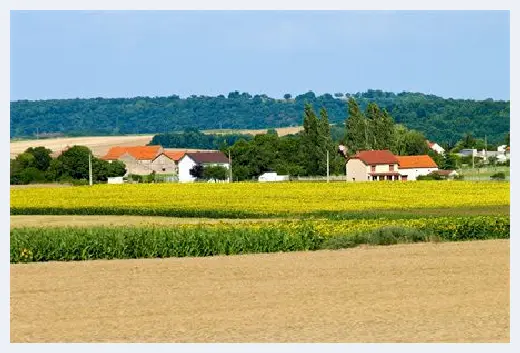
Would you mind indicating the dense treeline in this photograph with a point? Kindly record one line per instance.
(442, 120)
(36, 165)
(193, 138)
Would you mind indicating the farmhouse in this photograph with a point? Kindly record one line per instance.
(435, 147)
(167, 162)
(137, 159)
(191, 159)
(384, 165)
(410, 167)
(373, 165)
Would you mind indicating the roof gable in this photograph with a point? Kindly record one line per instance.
(424, 161)
(376, 157)
(174, 155)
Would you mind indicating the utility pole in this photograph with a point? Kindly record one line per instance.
(90, 169)
(327, 166)
(366, 135)
(230, 167)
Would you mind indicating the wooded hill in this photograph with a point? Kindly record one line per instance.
(441, 120)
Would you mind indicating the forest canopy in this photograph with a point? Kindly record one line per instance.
(439, 119)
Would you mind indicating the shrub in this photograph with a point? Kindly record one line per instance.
(498, 176)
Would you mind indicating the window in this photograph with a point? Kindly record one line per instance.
(391, 167)
(373, 168)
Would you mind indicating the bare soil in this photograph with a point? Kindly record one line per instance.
(447, 292)
(282, 131)
(101, 144)
(89, 221)
(98, 144)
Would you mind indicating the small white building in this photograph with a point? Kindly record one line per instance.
(115, 180)
(435, 146)
(190, 160)
(410, 167)
(272, 176)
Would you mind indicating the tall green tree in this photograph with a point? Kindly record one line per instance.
(356, 129)
(387, 131)
(309, 147)
(373, 123)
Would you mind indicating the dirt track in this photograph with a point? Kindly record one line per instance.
(447, 292)
(90, 221)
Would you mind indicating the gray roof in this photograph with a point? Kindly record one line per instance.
(208, 157)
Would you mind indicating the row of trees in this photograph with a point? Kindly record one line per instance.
(442, 120)
(193, 138)
(36, 165)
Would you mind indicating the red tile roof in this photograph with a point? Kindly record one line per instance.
(138, 152)
(376, 157)
(174, 155)
(424, 161)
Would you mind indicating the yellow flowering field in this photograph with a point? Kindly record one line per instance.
(256, 200)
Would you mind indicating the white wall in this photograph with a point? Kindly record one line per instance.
(185, 164)
(357, 170)
(384, 168)
(413, 173)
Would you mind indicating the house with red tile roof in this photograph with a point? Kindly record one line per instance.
(410, 167)
(384, 165)
(137, 159)
(144, 160)
(373, 165)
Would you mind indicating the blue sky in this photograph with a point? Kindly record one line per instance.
(83, 54)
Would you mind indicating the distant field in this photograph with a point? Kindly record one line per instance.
(282, 131)
(99, 144)
(92, 221)
(447, 292)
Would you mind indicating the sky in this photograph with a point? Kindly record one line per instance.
(112, 54)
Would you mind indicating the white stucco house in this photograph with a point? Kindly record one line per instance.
(410, 167)
(189, 160)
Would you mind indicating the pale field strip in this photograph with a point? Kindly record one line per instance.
(428, 292)
(101, 144)
(94, 221)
